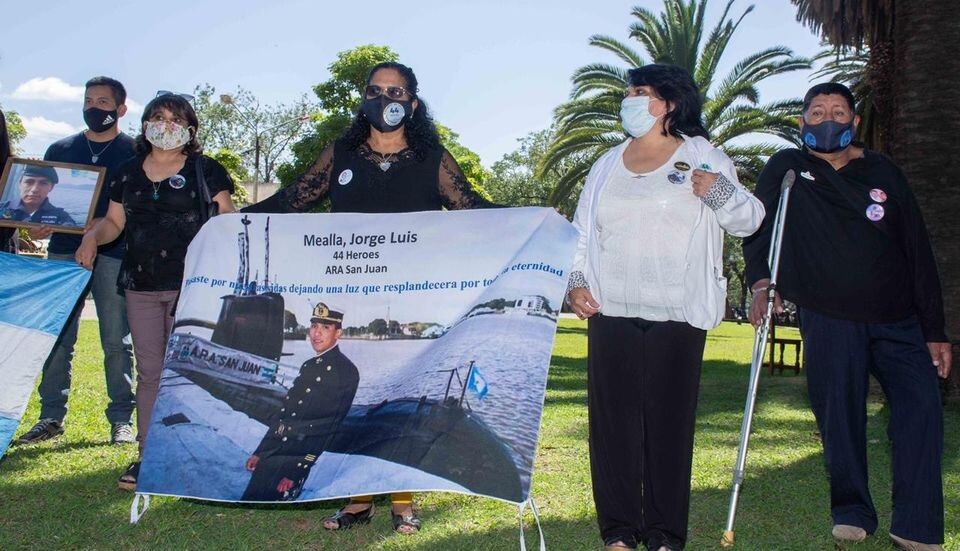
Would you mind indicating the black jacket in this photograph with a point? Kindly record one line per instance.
(313, 408)
(842, 256)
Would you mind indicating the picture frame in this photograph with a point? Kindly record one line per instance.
(60, 195)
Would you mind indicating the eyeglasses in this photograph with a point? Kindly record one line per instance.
(392, 92)
(187, 97)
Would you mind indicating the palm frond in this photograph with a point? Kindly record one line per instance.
(627, 54)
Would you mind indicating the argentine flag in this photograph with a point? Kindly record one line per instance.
(36, 299)
(477, 384)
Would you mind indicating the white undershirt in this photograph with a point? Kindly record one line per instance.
(645, 222)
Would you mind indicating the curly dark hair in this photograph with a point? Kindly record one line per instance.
(420, 131)
(180, 107)
(676, 86)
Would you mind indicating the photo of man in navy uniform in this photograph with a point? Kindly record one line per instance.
(312, 411)
(35, 185)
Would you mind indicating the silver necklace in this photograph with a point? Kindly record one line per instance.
(94, 157)
(384, 161)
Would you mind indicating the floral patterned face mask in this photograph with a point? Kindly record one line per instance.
(166, 135)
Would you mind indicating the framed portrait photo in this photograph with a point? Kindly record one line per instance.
(60, 195)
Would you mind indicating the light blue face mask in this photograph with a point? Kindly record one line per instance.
(635, 116)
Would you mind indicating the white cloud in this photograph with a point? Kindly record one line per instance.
(48, 89)
(134, 109)
(42, 128)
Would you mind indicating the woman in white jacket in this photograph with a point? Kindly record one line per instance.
(648, 274)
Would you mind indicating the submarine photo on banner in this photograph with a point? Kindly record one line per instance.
(321, 356)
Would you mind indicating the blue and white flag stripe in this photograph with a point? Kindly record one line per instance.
(36, 299)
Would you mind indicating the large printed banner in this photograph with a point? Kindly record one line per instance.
(320, 356)
(36, 299)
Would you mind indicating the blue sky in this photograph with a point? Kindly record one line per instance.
(492, 71)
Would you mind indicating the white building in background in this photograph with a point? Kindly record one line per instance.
(530, 303)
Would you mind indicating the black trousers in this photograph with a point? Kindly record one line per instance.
(643, 379)
(270, 471)
(839, 356)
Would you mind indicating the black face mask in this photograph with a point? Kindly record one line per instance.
(385, 114)
(99, 120)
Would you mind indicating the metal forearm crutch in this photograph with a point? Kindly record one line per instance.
(759, 346)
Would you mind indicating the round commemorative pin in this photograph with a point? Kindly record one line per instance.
(393, 114)
(676, 177)
(875, 212)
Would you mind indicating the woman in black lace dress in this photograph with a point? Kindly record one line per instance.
(389, 160)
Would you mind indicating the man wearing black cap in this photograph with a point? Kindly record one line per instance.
(857, 261)
(312, 411)
(36, 183)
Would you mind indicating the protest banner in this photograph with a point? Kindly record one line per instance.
(431, 375)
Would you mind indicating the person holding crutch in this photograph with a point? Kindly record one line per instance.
(857, 261)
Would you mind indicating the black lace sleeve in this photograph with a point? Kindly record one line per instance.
(311, 187)
(457, 192)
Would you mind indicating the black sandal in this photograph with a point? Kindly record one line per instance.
(128, 480)
(347, 520)
(406, 520)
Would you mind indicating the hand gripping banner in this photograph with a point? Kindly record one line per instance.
(321, 356)
(36, 299)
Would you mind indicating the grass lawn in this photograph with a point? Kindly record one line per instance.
(62, 494)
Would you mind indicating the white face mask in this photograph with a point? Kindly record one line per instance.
(635, 116)
(166, 135)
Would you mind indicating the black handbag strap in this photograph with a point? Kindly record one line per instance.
(202, 182)
(208, 208)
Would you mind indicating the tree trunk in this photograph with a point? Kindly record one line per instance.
(926, 134)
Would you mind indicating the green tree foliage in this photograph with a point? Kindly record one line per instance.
(378, 327)
(236, 169)
(339, 97)
(468, 160)
(15, 129)
(514, 179)
(236, 127)
(589, 124)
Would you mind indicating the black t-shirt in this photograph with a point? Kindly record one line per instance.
(77, 149)
(854, 243)
(161, 220)
(354, 181)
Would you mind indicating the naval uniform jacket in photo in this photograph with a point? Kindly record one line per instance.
(311, 413)
(46, 214)
(855, 246)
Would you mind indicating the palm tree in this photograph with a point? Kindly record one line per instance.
(913, 70)
(589, 124)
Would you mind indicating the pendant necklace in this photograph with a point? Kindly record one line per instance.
(94, 157)
(156, 190)
(384, 161)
